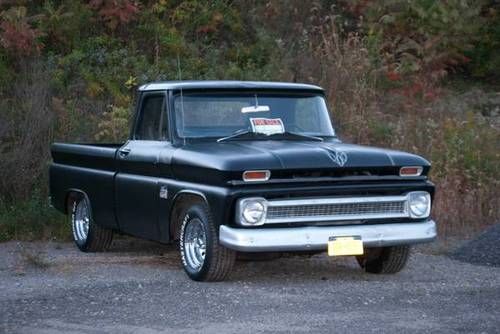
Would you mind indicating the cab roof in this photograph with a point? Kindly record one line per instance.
(225, 84)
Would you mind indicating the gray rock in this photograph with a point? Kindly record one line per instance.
(483, 250)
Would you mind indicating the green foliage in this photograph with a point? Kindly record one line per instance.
(115, 13)
(6, 75)
(17, 35)
(114, 127)
(485, 56)
(422, 38)
(32, 219)
(467, 152)
(199, 35)
(64, 25)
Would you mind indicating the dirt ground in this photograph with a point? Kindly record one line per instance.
(139, 287)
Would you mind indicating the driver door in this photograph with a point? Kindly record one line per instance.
(137, 195)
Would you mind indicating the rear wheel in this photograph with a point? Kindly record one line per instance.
(87, 235)
(384, 260)
(203, 258)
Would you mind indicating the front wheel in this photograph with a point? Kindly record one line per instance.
(87, 235)
(202, 257)
(384, 260)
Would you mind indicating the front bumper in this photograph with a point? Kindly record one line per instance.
(316, 237)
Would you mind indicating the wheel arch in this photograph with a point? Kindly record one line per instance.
(179, 202)
(72, 193)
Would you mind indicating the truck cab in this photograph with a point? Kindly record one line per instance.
(227, 167)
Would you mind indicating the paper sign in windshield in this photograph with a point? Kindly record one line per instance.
(267, 126)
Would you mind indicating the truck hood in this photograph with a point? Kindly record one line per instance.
(236, 156)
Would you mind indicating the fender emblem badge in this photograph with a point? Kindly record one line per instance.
(164, 192)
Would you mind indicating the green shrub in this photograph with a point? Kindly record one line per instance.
(424, 35)
(485, 56)
(114, 126)
(32, 219)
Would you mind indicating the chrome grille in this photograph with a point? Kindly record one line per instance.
(335, 209)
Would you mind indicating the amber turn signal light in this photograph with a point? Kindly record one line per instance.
(256, 175)
(410, 171)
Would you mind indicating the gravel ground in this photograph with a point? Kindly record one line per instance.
(139, 287)
(484, 249)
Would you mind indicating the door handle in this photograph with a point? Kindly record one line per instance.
(124, 151)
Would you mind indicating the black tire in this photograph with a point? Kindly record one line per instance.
(98, 238)
(384, 260)
(218, 261)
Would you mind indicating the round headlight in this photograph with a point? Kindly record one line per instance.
(420, 204)
(253, 212)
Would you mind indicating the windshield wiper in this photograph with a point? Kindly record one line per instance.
(286, 135)
(294, 135)
(236, 135)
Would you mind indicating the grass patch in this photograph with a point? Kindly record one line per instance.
(32, 219)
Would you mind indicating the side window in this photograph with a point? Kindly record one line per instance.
(150, 123)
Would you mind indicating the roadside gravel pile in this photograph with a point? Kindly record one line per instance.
(483, 250)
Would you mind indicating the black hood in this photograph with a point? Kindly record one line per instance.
(279, 155)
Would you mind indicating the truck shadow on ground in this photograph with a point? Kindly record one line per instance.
(299, 269)
(287, 267)
(139, 255)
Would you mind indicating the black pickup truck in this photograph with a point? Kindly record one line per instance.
(226, 166)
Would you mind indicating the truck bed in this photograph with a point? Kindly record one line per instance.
(101, 156)
(90, 168)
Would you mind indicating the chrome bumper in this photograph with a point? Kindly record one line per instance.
(316, 237)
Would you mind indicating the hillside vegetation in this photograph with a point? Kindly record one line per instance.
(420, 76)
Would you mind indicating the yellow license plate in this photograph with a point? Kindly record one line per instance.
(338, 246)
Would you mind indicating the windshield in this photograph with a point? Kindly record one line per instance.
(203, 115)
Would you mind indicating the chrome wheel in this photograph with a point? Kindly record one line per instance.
(81, 221)
(195, 242)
